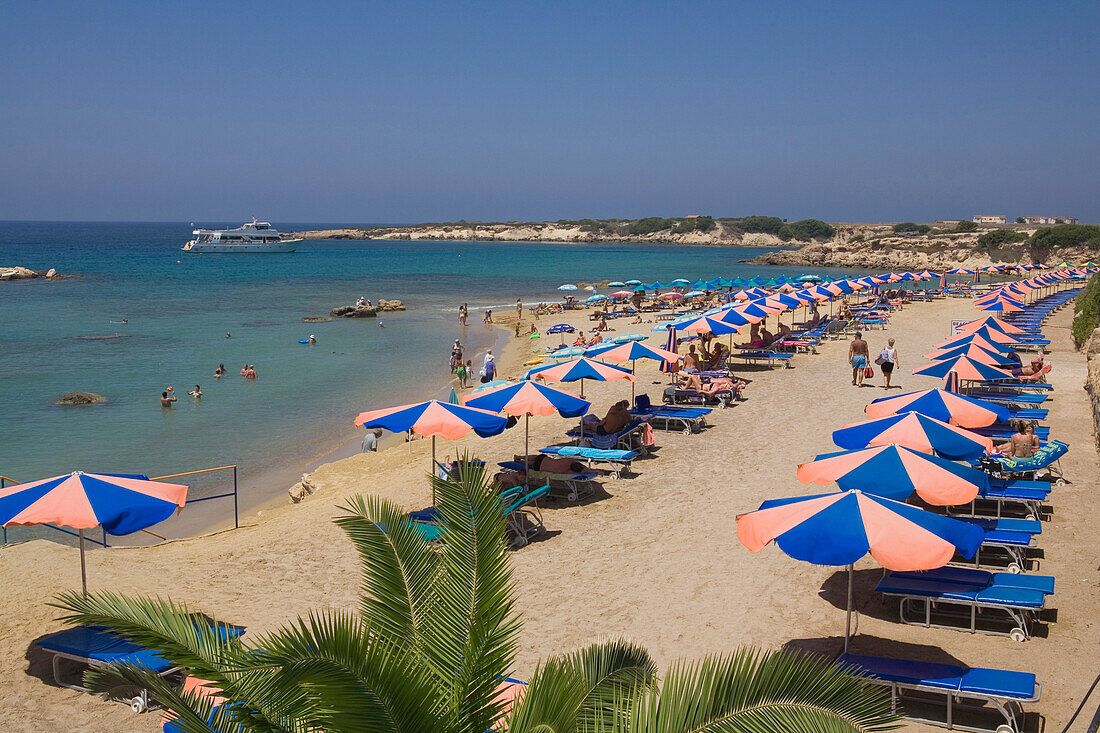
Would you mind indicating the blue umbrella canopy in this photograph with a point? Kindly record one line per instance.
(633, 282)
(680, 282)
(567, 286)
(694, 293)
(895, 472)
(583, 368)
(966, 367)
(916, 431)
(595, 298)
(511, 399)
(561, 328)
(995, 358)
(629, 337)
(616, 284)
(433, 418)
(942, 405)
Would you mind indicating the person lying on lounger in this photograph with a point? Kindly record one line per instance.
(617, 418)
(1023, 442)
(716, 385)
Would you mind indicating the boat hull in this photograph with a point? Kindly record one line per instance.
(287, 245)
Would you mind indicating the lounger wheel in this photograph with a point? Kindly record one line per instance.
(1014, 568)
(137, 704)
(687, 431)
(1017, 634)
(1005, 729)
(1060, 482)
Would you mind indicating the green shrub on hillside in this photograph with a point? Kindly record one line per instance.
(760, 224)
(908, 227)
(785, 233)
(700, 224)
(1001, 236)
(966, 226)
(649, 225)
(1087, 310)
(808, 229)
(1068, 235)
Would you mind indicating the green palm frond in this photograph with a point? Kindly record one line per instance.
(328, 672)
(476, 627)
(182, 636)
(753, 692)
(569, 692)
(399, 570)
(192, 713)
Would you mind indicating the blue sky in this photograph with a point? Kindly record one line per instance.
(416, 111)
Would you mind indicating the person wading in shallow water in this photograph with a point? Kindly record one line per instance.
(857, 355)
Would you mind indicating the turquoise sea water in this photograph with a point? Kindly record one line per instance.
(179, 307)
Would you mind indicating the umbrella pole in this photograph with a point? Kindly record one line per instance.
(83, 567)
(582, 387)
(634, 370)
(848, 619)
(433, 470)
(526, 450)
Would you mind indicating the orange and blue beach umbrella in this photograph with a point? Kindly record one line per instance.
(967, 339)
(840, 528)
(434, 418)
(120, 503)
(948, 407)
(529, 398)
(895, 472)
(965, 367)
(975, 352)
(915, 431)
(580, 369)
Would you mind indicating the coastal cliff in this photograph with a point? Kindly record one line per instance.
(722, 234)
(879, 246)
(809, 242)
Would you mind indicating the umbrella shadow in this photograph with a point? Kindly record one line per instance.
(830, 647)
(864, 599)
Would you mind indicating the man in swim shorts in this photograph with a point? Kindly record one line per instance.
(857, 356)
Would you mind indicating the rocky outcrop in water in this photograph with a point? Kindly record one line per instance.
(365, 311)
(299, 491)
(23, 273)
(80, 399)
(354, 311)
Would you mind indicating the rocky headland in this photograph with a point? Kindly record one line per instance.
(24, 273)
(367, 311)
(721, 234)
(809, 242)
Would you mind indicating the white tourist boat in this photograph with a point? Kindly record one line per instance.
(256, 236)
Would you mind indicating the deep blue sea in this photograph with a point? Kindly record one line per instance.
(179, 307)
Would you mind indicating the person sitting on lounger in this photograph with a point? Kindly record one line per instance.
(784, 330)
(596, 339)
(691, 359)
(602, 325)
(580, 339)
(1032, 369)
(1023, 443)
(617, 418)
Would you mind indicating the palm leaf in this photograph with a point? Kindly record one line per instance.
(399, 570)
(751, 692)
(474, 625)
(570, 692)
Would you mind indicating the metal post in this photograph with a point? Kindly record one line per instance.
(83, 567)
(848, 618)
(236, 516)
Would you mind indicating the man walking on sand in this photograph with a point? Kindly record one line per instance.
(857, 355)
(519, 309)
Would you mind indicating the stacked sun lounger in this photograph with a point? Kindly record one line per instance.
(965, 599)
(617, 460)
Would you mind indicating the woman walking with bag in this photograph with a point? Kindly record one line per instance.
(887, 360)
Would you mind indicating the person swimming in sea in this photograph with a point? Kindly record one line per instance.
(312, 339)
(219, 371)
(166, 400)
(196, 392)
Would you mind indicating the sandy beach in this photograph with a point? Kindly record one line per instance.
(654, 556)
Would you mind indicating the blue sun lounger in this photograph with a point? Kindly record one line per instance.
(96, 646)
(771, 358)
(989, 700)
(1009, 398)
(687, 419)
(1005, 431)
(617, 460)
(1009, 539)
(1030, 496)
(576, 483)
(964, 599)
(522, 517)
